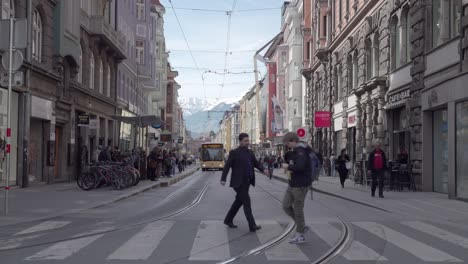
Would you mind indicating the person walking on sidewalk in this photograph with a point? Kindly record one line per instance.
(332, 164)
(320, 164)
(377, 164)
(341, 166)
(302, 171)
(242, 161)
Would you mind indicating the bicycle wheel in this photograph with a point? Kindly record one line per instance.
(87, 181)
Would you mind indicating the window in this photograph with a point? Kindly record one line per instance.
(396, 43)
(140, 52)
(7, 8)
(369, 60)
(407, 33)
(376, 57)
(349, 65)
(340, 11)
(91, 70)
(37, 36)
(355, 70)
(339, 84)
(308, 50)
(108, 81)
(445, 20)
(79, 76)
(140, 9)
(101, 77)
(324, 26)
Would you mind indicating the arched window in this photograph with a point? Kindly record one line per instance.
(91, 70)
(8, 8)
(396, 43)
(108, 81)
(101, 77)
(406, 27)
(79, 76)
(37, 36)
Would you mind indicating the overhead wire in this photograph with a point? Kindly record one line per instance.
(228, 40)
(188, 47)
(224, 11)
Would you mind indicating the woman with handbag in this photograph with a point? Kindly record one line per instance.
(342, 164)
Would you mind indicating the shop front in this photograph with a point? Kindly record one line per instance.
(445, 137)
(13, 171)
(398, 129)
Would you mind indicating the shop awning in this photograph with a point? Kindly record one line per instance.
(395, 105)
(141, 121)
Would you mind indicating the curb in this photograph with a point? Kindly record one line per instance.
(115, 200)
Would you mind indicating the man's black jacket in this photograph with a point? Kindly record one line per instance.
(239, 170)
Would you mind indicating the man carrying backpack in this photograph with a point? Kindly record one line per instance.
(302, 171)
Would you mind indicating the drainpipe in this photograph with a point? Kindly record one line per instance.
(27, 101)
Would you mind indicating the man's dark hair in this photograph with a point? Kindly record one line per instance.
(242, 136)
(289, 137)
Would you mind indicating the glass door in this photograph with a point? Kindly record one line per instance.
(440, 150)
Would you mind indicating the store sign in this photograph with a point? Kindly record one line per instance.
(160, 144)
(322, 119)
(395, 98)
(166, 137)
(83, 120)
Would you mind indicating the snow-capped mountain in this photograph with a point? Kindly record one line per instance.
(197, 113)
(193, 105)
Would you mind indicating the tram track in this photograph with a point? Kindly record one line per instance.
(340, 247)
(329, 256)
(180, 211)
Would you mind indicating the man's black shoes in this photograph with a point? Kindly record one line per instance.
(231, 225)
(255, 228)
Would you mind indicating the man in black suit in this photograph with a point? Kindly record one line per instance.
(243, 162)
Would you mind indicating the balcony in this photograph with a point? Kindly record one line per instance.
(98, 26)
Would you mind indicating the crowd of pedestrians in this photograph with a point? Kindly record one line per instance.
(165, 163)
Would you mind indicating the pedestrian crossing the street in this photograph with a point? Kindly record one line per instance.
(212, 241)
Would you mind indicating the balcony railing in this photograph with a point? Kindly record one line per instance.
(112, 38)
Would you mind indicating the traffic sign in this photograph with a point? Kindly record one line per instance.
(17, 60)
(301, 132)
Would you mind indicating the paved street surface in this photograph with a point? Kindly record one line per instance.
(182, 223)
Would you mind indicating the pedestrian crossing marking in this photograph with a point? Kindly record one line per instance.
(63, 250)
(211, 242)
(142, 245)
(412, 246)
(48, 225)
(357, 251)
(282, 251)
(438, 232)
(15, 242)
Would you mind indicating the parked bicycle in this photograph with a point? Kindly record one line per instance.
(358, 174)
(118, 175)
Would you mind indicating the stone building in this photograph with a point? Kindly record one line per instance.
(392, 71)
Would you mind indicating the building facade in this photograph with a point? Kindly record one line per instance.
(379, 68)
(81, 71)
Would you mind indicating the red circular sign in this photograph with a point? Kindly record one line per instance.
(301, 132)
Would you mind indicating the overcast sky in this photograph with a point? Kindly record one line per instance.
(207, 31)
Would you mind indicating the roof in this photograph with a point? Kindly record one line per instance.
(156, 2)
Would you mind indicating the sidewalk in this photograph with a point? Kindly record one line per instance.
(426, 204)
(48, 201)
